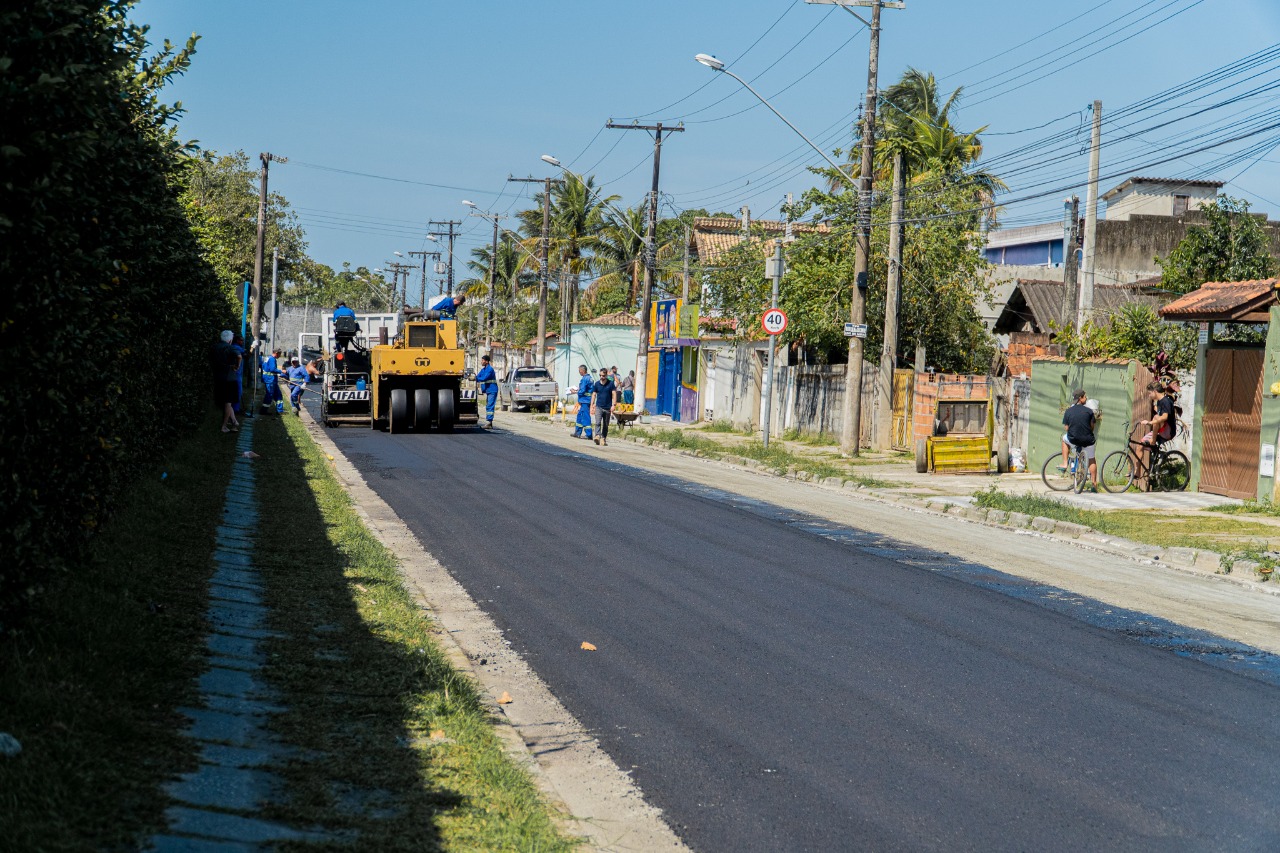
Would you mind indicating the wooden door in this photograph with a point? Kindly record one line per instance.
(903, 384)
(1232, 422)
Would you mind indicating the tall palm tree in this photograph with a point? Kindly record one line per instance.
(619, 256)
(578, 215)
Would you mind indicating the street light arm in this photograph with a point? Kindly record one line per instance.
(839, 169)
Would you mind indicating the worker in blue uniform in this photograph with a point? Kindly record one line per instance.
(582, 424)
(344, 329)
(273, 400)
(487, 383)
(448, 307)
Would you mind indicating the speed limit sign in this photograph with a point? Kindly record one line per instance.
(774, 321)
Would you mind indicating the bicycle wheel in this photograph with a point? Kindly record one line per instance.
(1171, 472)
(1055, 477)
(1080, 479)
(1116, 473)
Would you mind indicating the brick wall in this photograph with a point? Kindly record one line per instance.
(1024, 347)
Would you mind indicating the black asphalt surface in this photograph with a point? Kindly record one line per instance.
(775, 689)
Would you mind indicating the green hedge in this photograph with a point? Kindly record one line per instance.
(111, 308)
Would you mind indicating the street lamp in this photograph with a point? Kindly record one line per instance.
(493, 272)
(547, 158)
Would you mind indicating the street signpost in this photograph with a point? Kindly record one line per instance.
(774, 321)
(855, 330)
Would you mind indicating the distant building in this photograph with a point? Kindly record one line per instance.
(1158, 197)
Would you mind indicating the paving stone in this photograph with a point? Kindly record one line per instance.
(976, 513)
(237, 613)
(252, 633)
(228, 537)
(258, 703)
(235, 729)
(229, 645)
(852, 484)
(224, 557)
(235, 663)
(997, 516)
(1208, 560)
(1019, 519)
(178, 844)
(955, 509)
(224, 592)
(837, 482)
(190, 821)
(230, 682)
(1044, 525)
(235, 788)
(1181, 556)
(235, 576)
(240, 756)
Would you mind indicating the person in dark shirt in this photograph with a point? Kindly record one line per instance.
(1165, 422)
(1079, 419)
(602, 394)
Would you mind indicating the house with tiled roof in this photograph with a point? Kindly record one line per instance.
(711, 237)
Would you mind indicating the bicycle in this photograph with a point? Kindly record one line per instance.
(1161, 470)
(1073, 478)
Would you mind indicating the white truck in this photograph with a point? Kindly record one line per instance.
(528, 388)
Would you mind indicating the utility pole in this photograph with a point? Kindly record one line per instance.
(883, 432)
(255, 324)
(275, 307)
(1070, 260)
(424, 256)
(851, 428)
(543, 252)
(650, 250)
(684, 291)
(1090, 221)
(397, 270)
(775, 267)
(452, 234)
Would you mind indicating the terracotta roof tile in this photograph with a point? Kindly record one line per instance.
(1225, 301)
(713, 236)
(617, 318)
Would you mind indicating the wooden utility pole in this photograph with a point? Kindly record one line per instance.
(851, 428)
(255, 324)
(424, 256)
(1090, 220)
(397, 270)
(651, 250)
(883, 432)
(543, 253)
(452, 234)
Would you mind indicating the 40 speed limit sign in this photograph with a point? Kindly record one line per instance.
(774, 321)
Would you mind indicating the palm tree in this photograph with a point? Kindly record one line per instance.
(578, 215)
(619, 257)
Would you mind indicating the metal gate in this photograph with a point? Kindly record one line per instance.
(903, 384)
(1232, 422)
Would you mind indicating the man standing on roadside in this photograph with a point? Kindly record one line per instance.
(487, 383)
(583, 421)
(226, 380)
(602, 394)
(1078, 419)
(628, 388)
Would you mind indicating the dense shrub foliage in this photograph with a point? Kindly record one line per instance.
(111, 308)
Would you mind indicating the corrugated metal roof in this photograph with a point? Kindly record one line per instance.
(1178, 181)
(1038, 304)
(713, 236)
(1225, 301)
(617, 318)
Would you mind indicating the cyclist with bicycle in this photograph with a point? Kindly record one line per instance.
(1079, 421)
(1164, 423)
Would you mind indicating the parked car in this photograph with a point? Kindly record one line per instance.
(527, 387)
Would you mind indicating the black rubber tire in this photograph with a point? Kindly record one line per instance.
(922, 456)
(399, 419)
(422, 409)
(1057, 481)
(1116, 473)
(505, 407)
(1174, 473)
(445, 409)
(1080, 477)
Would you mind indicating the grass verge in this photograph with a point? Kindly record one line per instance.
(394, 747)
(90, 683)
(776, 457)
(1153, 527)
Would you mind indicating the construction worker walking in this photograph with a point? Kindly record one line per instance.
(583, 422)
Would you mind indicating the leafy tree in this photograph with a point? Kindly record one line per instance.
(619, 263)
(1133, 331)
(1232, 246)
(109, 287)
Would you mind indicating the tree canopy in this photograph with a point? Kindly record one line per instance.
(1231, 246)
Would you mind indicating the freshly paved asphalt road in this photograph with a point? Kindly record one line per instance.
(773, 689)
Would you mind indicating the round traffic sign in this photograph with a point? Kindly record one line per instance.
(774, 321)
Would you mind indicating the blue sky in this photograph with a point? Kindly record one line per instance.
(463, 94)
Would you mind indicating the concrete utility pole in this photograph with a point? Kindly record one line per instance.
(452, 234)
(684, 290)
(255, 324)
(424, 256)
(650, 252)
(397, 270)
(776, 268)
(851, 428)
(1090, 220)
(1070, 261)
(883, 432)
(493, 285)
(275, 306)
(543, 253)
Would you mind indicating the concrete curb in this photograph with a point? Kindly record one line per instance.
(599, 801)
(1206, 564)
